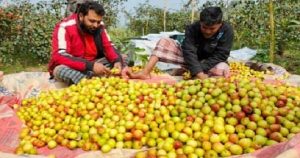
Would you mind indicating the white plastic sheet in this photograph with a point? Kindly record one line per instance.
(148, 43)
(243, 54)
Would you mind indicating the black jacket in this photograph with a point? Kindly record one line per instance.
(202, 54)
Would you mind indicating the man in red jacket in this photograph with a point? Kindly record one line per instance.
(81, 46)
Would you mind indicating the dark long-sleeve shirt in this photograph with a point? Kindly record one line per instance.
(201, 54)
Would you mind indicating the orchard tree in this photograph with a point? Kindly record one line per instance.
(251, 22)
(112, 8)
(148, 19)
(26, 28)
(26, 31)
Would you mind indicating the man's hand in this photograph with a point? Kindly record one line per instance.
(118, 65)
(201, 76)
(100, 69)
(226, 73)
(125, 72)
(116, 70)
(220, 72)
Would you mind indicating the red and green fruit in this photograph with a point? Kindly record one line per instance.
(212, 117)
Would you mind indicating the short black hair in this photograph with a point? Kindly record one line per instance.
(91, 5)
(211, 16)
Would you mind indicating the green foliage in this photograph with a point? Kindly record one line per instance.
(149, 19)
(250, 20)
(112, 8)
(262, 56)
(26, 33)
(290, 61)
(139, 54)
(146, 19)
(26, 29)
(294, 23)
(121, 38)
(19, 67)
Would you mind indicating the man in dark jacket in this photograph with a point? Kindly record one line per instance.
(81, 46)
(204, 51)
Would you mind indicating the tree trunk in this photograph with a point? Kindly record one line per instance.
(281, 48)
(165, 13)
(193, 11)
(147, 23)
(272, 31)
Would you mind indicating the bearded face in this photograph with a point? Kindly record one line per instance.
(90, 22)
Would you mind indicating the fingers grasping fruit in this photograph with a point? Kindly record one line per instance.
(115, 71)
